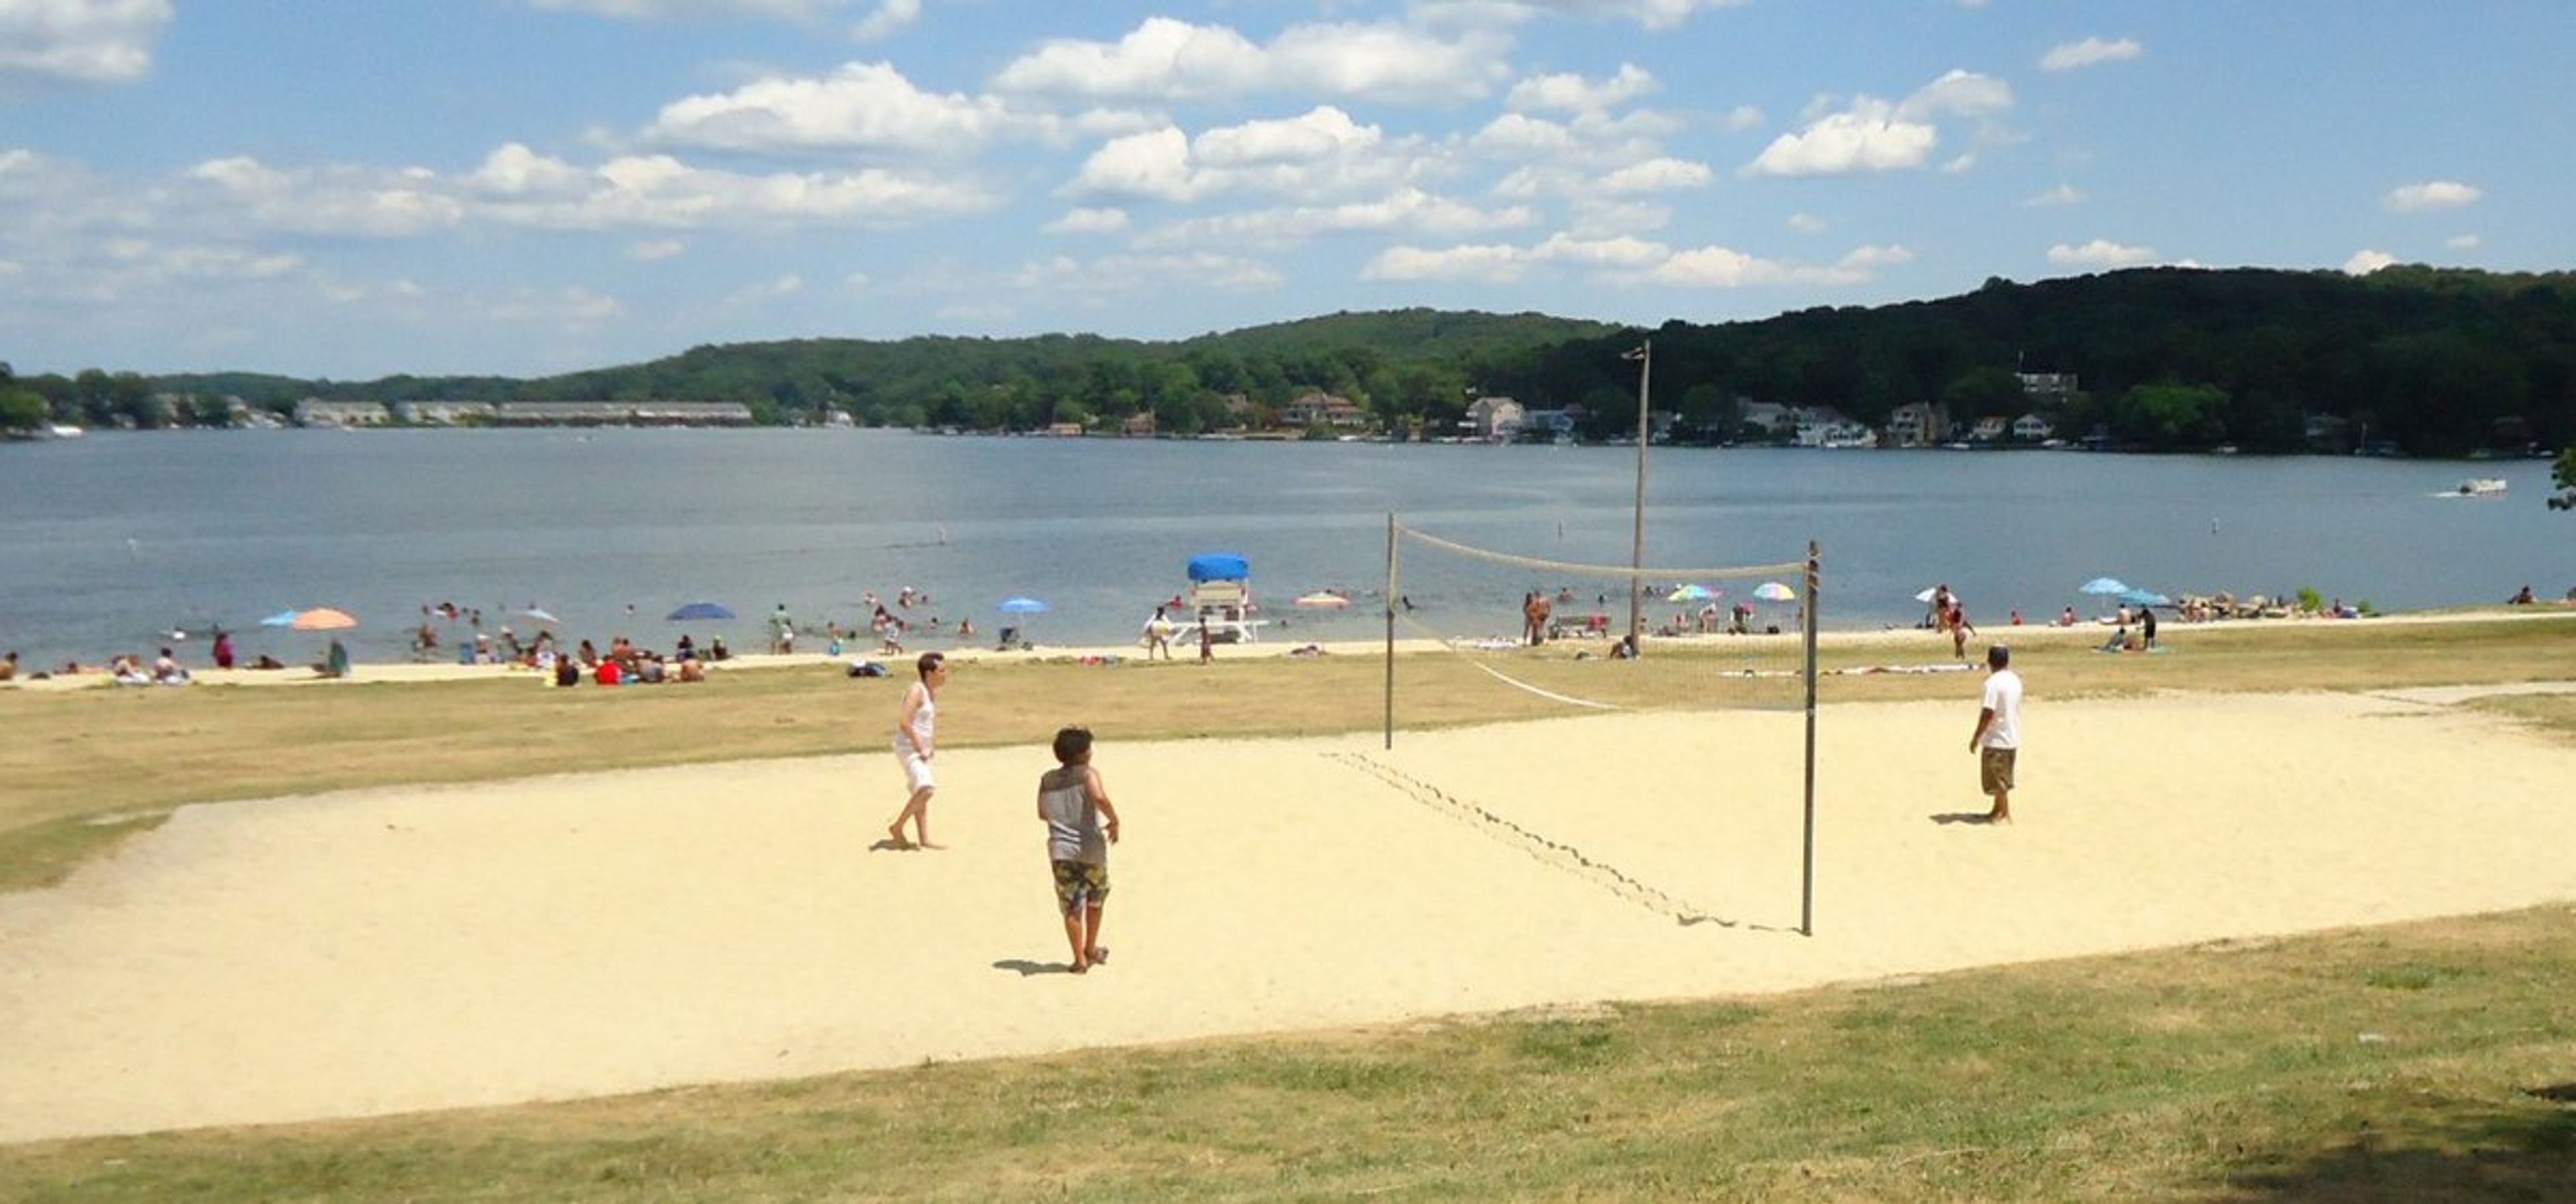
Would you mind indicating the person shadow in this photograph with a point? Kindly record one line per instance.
(1025, 968)
(1960, 817)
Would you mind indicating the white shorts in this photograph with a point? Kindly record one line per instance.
(916, 769)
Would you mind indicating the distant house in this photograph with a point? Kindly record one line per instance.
(621, 413)
(1990, 429)
(2031, 428)
(444, 413)
(313, 411)
(1917, 424)
(1825, 426)
(2056, 387)
(1770, 416)
(1064, 430)
(1325, 409)
(1494, 418)
(1139, 425)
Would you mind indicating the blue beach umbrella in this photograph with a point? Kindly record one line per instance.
(283, 618)
(1022, 606)
(2104, 585)
(2143, 597)
(698, 610)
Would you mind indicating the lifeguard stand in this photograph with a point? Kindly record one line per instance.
(1220, 597)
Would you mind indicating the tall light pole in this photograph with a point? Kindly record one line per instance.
(1645, 357)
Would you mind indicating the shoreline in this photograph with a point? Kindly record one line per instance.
(1918, 642)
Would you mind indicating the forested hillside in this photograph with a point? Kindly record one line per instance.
(2427, 361)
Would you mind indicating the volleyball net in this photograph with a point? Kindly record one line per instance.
(1490, 634)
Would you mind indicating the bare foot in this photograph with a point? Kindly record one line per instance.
(895, 834)
(1080, 968)
(1998, 819)
(930, 845)
(1097, 957)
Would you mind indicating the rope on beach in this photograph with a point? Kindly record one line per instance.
(1549, 851)
(1506, 678)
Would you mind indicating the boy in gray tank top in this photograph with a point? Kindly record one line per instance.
(1074, 805)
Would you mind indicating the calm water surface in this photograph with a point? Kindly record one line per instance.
(113, 539)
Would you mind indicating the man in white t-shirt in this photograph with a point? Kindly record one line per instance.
(1998, 734)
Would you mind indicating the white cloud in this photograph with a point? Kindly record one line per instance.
(1808, 223)
(1164, 59)
(1957, 93)
(1154, 166)
(1744, 117)
(890, 18)
(2063, 194)
(1491, 264)
(1840, 143)
(2461, 242)
(1621, 252)
(1725, 267)
(1574, 94)
(574, 307)
(1653, 14)
(2366, 261)
(1136, 273)
(660, 249)
(861, 107)
(80, 41)
(1871, 258)
(1079, 220)
(518, 187)
(765, 291)
(1656, 175)
(2100, 253)
(2070, 56)
(1410, 210)
(672, 10)
(2432, 194)
(1319, 154)
(1627, 259)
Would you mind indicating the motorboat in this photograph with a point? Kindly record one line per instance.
(2482, 486)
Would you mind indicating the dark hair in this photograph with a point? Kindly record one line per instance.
(1998, 656)
(928, 662)
(1071, 743)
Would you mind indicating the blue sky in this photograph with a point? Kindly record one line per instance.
(353, 188)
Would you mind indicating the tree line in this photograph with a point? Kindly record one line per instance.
(2416, 360)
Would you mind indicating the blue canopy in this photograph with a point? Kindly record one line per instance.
(2144, 597)
(698, 610)
(1219, 566)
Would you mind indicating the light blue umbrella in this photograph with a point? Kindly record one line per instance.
(2105, 585)
(1022, 606)
(698, 610)
(282, 618)
(2142, 597)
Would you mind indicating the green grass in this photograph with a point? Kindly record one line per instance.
(2427, 1062)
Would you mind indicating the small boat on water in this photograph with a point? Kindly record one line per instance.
(2482, 486)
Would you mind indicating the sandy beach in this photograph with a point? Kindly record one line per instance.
(418, 948)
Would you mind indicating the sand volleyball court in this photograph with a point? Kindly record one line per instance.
(403, 949)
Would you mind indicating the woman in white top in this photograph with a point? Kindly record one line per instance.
(913, 733)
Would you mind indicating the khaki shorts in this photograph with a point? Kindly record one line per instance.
(1995, 770)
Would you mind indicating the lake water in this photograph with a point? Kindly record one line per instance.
(114, 539)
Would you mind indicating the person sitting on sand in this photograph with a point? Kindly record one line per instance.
(167, 671)
(2523, 598)
(266, 661)
(567, 671)
(9, 666)
(691, 669)
(589, 655)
